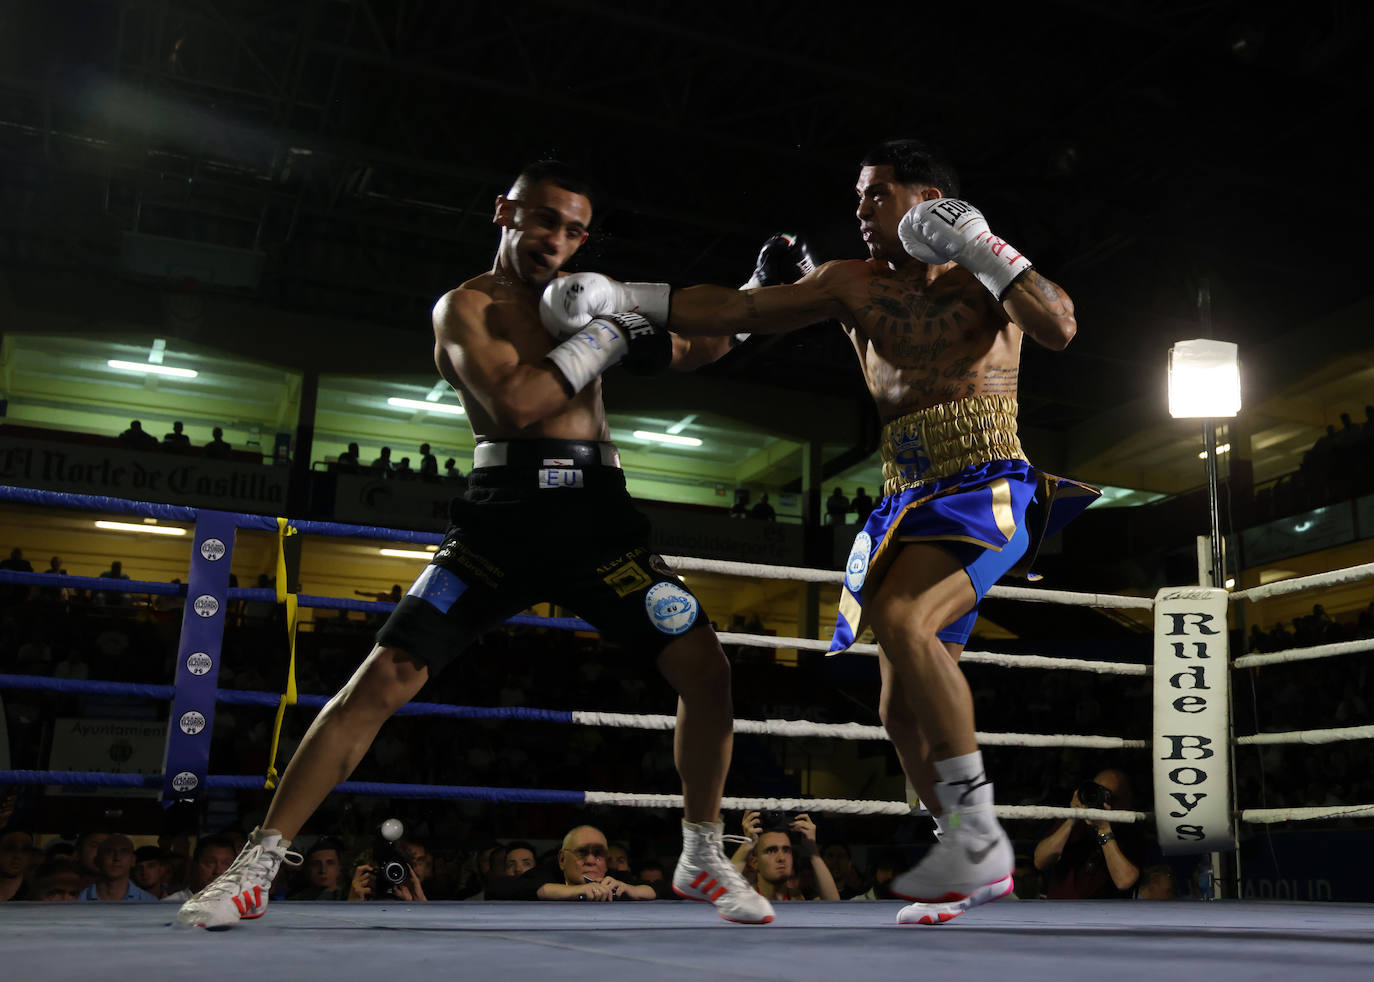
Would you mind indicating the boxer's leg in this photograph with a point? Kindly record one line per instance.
(697, 669)
(342, 733)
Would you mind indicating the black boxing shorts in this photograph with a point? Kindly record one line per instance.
(549, 520)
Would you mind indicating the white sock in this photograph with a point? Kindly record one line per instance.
(965, 794)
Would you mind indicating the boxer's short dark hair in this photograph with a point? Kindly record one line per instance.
(561, 174)
(914, 162)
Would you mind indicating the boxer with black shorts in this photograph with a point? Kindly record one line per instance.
(545, 517)
(936, 315)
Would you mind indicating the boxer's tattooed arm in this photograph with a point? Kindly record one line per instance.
(1041, 309)
(751, 307)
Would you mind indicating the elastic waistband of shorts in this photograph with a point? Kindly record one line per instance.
(545, 453)
(943, 440)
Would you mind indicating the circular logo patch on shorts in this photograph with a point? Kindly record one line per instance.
(856, 569)
(671, 608)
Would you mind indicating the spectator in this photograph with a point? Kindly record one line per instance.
(429, 464)
(519, 858)
(1026, 879)
(1085, 859)
(770, 858)
(763, 510)
(402, 470)
(14, 862)
(1157, 883)
(382, 465)
(421, 861)
(451, 471)
(212, 856)
(323, 870)
(740, 509)
(55, 881)
(836, 508)
(176, 441)
(651, 872)
(87, 846)
(14, 593)
(114, 598)
(862, 505)
(17, 562)
(884, 866)
(348, 460)
(618, 859)
(217, 448)
(580, 874)
(137, 438)
(115, 858)
(150, 870)
(841, 865)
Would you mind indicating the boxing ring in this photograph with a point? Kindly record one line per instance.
(1231, 939)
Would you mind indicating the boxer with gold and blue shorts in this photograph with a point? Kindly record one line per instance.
(955, 475)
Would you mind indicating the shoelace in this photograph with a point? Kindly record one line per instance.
(257, 860)
(732, 880)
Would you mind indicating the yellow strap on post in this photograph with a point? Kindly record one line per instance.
(284, 596)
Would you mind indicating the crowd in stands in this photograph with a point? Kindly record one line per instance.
(1339, 466)
(137, 438)
(351, 462)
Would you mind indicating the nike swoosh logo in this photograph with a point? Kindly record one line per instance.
(978, 855)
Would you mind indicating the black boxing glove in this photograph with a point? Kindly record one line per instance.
(644, 348)
(783, 259)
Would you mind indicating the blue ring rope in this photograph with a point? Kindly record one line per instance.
(184, 513)
(270, 700)
(255, 783)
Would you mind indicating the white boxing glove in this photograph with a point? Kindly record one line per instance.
(570, 302)
(944, 230)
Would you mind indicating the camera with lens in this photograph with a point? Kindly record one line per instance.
(389, 867)
(775, 821)
(1093, 795)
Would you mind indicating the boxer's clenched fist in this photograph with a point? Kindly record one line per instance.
(783, 259)
(570, 302)
(643, 346)
(944, 230)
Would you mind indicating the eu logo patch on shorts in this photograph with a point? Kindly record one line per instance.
(671, 608)
(437, 587)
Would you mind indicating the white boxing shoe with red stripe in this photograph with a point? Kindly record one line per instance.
(240, 892)
(705, 873)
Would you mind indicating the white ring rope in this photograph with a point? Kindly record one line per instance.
(801, 574)
(844, 806)
(1311, 737)
(1304, 654)
(972, 657)
(1351, 574)
(1266, 816)
(855, 731)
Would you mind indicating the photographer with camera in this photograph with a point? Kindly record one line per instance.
(384, 871)
(767, 857)
(1089, 860)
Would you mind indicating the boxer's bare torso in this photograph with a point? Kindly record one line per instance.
(924, 335)
(493, 307)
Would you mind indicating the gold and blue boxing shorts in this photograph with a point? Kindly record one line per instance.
(955, 474)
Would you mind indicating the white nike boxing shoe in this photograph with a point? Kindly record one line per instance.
(964, 869)
(240, 892)
(705, 873)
